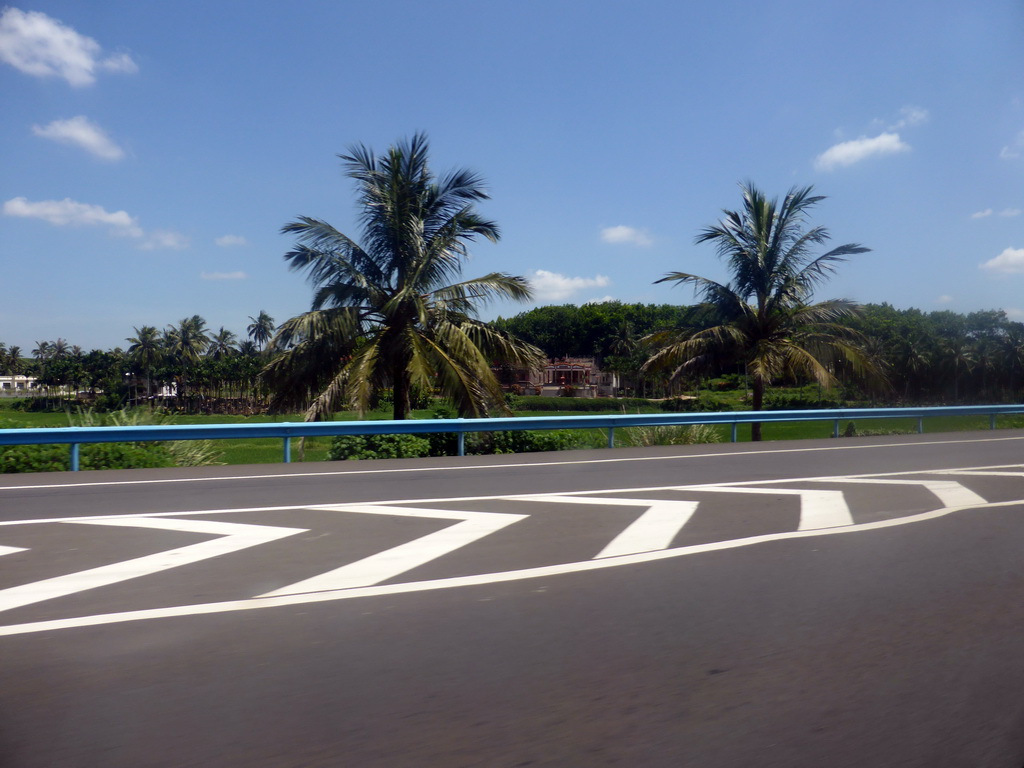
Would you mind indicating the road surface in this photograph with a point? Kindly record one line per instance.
(850, 602)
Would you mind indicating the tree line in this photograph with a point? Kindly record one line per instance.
(391, 311)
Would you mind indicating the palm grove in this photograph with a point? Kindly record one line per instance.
(392, 319)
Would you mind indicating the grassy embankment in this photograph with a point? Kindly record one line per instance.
(260, 451)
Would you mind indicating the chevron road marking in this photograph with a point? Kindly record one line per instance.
(818, 509)
(654, 529)
(393, 562)
(647, 539)
(950, 493)
(10, 550)
(233, 537)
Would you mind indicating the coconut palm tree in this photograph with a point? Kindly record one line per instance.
(222, 344)
(385, 312)
(765, 320)
(185, 344)
(145, 352)
(261, 329)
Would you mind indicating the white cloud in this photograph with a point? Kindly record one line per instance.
(629, 235)
(850, 152)
(41, 46)
(1010, 212)
(982, 214)
(602, 300)
(1014, 149)
(164, 238)
(223, 275)
(1010, 261)
(227, 241)
(909, 117)
(79, 131)
(71, 213)
(944, 299)
(68, 212)
(551, 286)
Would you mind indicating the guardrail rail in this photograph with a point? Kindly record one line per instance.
(77, 436)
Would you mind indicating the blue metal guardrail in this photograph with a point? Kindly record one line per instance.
(76, 436)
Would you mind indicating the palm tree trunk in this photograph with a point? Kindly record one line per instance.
(402, 405)
(757, 401)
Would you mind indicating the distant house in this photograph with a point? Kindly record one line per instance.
(579, 376)
(21, 385)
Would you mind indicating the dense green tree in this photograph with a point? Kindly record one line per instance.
(385, 311)
(765, 320)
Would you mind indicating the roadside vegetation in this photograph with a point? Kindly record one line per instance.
(393, 331)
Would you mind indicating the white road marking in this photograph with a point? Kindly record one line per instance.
(818, 509)
(951, 494)
(10, 550)
(654, 529)
(233, 537)
(515, 465)
(827, 514)
(467, 581)
(397, 560)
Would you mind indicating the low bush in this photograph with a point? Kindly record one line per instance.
(351, 447)
(585, 404)
(671, 435)
(702, 404)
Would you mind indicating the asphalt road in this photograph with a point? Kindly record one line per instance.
(850, 602)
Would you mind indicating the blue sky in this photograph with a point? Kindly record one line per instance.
(151, 152)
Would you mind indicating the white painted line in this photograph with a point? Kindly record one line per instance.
(233, 537)
(467, 581)
(654, 529)
(517, 465)
(818, 509)
(11, 550)
(949, 493)
(397, 560)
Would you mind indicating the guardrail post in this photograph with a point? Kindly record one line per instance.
(287, 450)
(733, 434)
(920, 425)
(611, 437)
(835, 429)
(992, 421)
(74, 457)
(462, 443)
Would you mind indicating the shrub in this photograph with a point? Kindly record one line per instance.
(350, 447)
(671, 435)
(585, 404)
(702, 404)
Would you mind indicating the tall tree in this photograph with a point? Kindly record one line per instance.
(222, 344)
(764, 318)
(385, 312)
(186, 343)
(145, 353)
(261, 329)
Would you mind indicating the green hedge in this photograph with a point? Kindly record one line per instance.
(586, 404)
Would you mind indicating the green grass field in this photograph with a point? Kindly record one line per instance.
(269, 450)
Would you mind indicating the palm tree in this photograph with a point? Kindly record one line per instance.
(145, 352)
(42, 351)
(222, 344)
(14, 364)
(261, 330)
(185, 344)
(764, 319)
(384, 312)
